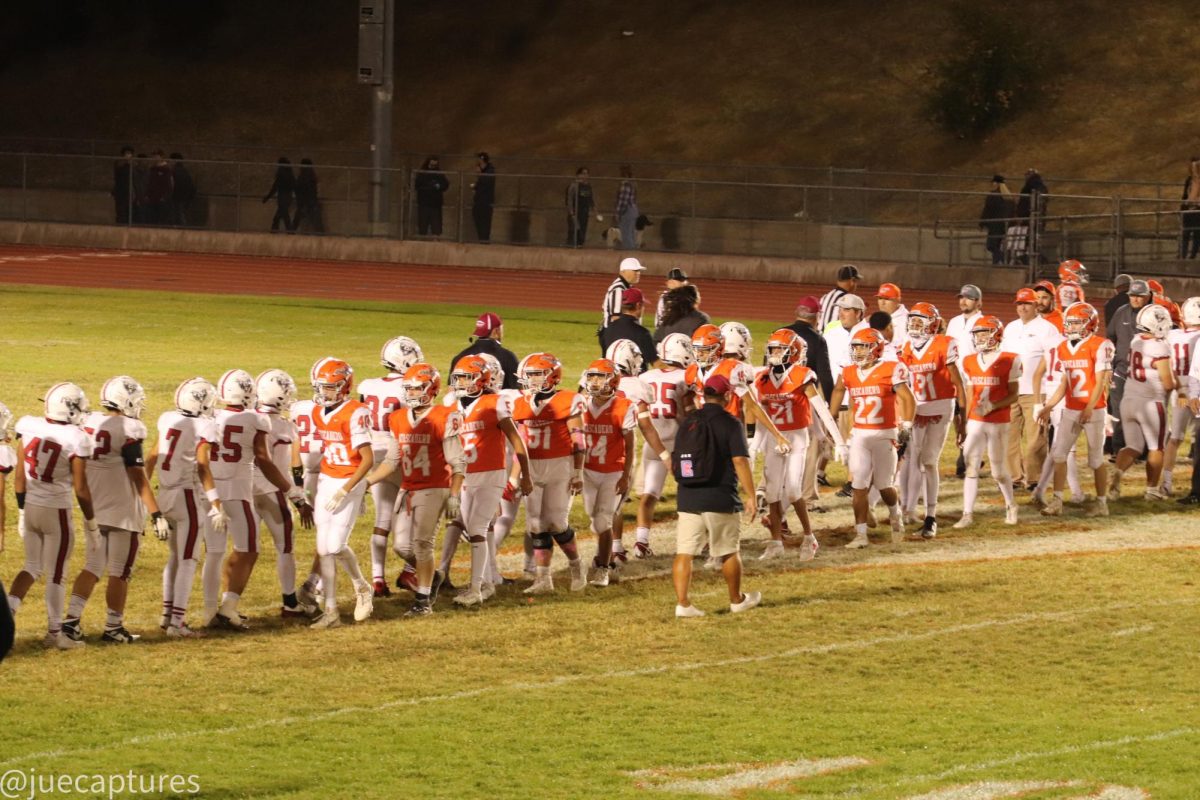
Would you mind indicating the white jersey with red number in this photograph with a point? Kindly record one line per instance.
(116, 502)
(1183, 345)
(872, 393)
(178, 437)
(343, 430)
(382, 396)
(301, 414)
(279, 444)
(231, 454)
(635, 390)
(1144, 382)
(605, 426)
(47, 449)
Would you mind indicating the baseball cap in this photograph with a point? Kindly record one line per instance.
(1122, 280)
(847, 272)
(997, 178)
(630, 264)
(676, 274)
(888, 291)
(487, 323)
(632, 296)
(852, 301)
(808, 305)
(1045, 286)
(1026, 295)
(971, 292)
(1139, 287)
(717, 384)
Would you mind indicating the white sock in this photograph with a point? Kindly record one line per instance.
(349, 562)
(312, 581)
(970, 492)
(1168, 480)
(56, 597)
(285, 568)
(643, 535)
(893, 512)
(933, 482)
(1006, 489)
(329, 581)
(75, 607)
(479, 561)
(170, 570)
(14, 603)
(210, 579)
(114, 620)
(543, 572)
(185, 574)
(229, 603)
(619, 546)
(492, 570)
(425, 590)
(1073, 477)
(860, 529)
(379, 548)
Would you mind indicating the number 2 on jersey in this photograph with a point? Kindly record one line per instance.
(868, 410)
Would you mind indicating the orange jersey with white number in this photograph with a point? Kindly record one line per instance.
(739, 375)
(605, 428)
(990, 381)
(422, 452)
(1080, 365)
(786, 399)
(341, 433)
(546, 433)
(930, 368)
(873, 394)
(484, 443)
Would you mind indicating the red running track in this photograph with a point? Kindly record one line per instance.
(401, 283)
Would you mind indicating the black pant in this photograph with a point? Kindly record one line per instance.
(429, 221)
(122, 204)
(577, 228)
(7, 627)
(283, 212)
(483, 222)
(995, 242)
(1190, 222)
(310, 213)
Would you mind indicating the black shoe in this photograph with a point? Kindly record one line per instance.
(441, 582)
(1186, 500)
(822, 480)
(229, 623)
(419, 609)
(929, 528)
(119, 636)
(845, 491)
(960, 466)
(71, 630)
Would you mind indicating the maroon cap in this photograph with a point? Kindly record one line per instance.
(632, 296)
(810, 304)
(717, 384)
(487, 323)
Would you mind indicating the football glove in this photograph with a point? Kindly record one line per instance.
(296, 496)
(162, 528)
(218, 518)
(453, 507)
(336, 500)
(783, 448)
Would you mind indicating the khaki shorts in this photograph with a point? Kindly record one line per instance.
(720, 532)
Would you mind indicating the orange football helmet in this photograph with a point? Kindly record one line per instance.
(1072, 271)
(601, 378)
(471, 376)
(924, 320)
(332, 381)
(785, 348)
(540, 372)
(1080, 321)
(866, 347)
(708, 344)
(986, 333)
(421, 384)
(1156, 288)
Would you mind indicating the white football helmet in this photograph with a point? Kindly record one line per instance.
(124, 395)
(6, 419)
(497, 380)
(1190, 312)
(738, 341)
(275, 390)
(1154, 320)
(400, 353)
(626, 355)
(66, 402)
(236, 388)
(676, 349)
(196, 397)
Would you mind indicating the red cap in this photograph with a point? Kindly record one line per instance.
(1026, 295)
(717, 384)
(888, 291)
(810, 304)
(632, 296)
(487, 323)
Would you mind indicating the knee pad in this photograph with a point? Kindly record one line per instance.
(565, 537)
(1097, 461)
(542, 541)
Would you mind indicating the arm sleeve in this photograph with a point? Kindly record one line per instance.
(131, 454)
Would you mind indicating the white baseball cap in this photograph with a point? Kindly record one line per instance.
(852, 301)
(630, 265)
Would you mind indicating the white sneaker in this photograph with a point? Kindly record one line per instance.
(859, 542)
(1156, 493)
(897, 524)
(774, 549)
(183, 632)
(1010, 515)
(809, 548)
(364, 602)
(599, 577)
(469, 597)
(684, 612)
(487, 590)
(967, 521)
(578, 576)
(307, 597)
(712, 563)
(330, 619)
(164, 622)
(911, 518)
(749, 601)
(542, 584)
(1053, 507)
(1100, 509)
(60, 641)
(1166, 491)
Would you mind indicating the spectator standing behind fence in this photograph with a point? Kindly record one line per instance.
(284, 191)
(1031, 208)
(183, 192)
(1189, 217)
(430, 184)
(483, 202)
(122, 191)
(160, 187)
(141, 175)
(997, 208)
(681, 313)
(308, 201)
(580, 202)
(627, 209)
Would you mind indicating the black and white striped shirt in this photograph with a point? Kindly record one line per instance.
(612, 300)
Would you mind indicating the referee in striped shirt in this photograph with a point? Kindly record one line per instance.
(848, 277)
(629, 272)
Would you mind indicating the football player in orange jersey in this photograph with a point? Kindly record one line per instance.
(994, 380)
(608, 423)
(486, 428)
(344, 425)
(1085, 361)
(932, 359)
(883, 407)
(552, 418)
(787, 390)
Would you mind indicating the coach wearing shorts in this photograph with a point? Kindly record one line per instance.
(709, 514)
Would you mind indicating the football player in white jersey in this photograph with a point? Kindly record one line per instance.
(240, 446)
(188, 499)
(275, 391)
(667, 386)
(1144, 402)
(121, 495)
(383, 396)
(54, 452)
(8, 460)
(1183, 343)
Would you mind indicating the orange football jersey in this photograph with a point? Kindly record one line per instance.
(1055, 317)
(605, 431)
(991, 381)
(1080, 365)
(422, 454)
(873, 395)
(786, 401)
(546, 433)
(484, 443)
(930, 368)
(342, 433)
(739, 375)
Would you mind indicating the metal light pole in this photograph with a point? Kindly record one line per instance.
(376, 43)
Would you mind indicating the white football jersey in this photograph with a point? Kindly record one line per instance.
(301, 414)
(8, 459)
(231, 456)
(382, 396)
(634, 389)
(117, 503)
(48, 448)
(178, 437)
(666, 386)
(1144, 381)
(1183, 345)
(279, 444)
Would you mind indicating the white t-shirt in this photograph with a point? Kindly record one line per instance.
(51, 446)
(838, 340)
(1029, 341)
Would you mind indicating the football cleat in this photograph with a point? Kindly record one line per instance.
(897, 529)
(119, 635)
(1114, 492)
(822, 480)
(219, 620)
(71, 630)
(1100, 509)
(542, 584)
(687, 612)
(774, 549)
(1155, 493)
(578, 575)
(858, 542)
(364, 602)
(182, 631)
(845, 491)
(407, 579)
(469, 597)
(298, 611)
(929, 528)
(441, 580)
(1010, 515)
(967, 521)
(380, 588)
(164, 622)
(58, 641)
(487, 589)
(640, 550)
(599, 577)
(330, 619)
(419, 609)
(1189, 500)
(307, 597)
(809, 548)
(1053, 507)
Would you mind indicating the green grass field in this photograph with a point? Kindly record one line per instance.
(1054, 660)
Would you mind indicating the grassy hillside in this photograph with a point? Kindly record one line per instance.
(770, 81)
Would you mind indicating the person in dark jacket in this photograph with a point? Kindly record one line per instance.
(681, 313)
(817, 357)
(1121, 298)
(629, 326)
(160, 187)
(141, 176)
(284, 191)
(308, 202)
(122, 191)
(431, 185)
(997, 209)
(183, 193)
(1189, 216)
(1031, 207)
(483, 201)
(580, 202)
(489, 332)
